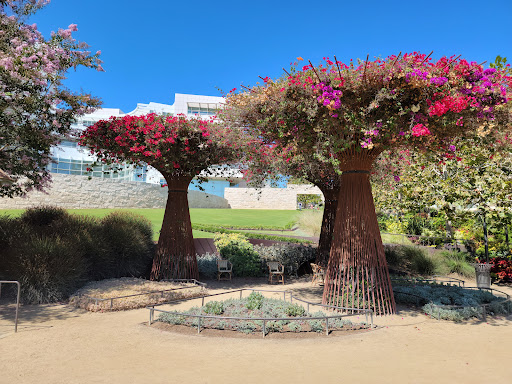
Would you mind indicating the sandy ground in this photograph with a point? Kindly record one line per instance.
(60, 344)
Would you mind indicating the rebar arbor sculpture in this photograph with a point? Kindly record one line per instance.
(348, 115)
(179, 148)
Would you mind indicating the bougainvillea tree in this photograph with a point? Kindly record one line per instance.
(36, 110)
(357, 111)
(179, 148)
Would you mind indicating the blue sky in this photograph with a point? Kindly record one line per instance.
(156, 48)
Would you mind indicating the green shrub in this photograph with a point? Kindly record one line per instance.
(237, 249)
(254, 301)
(290, 255)
(53, 253)
(409, 258)
(456, 262)
(295, 310)
(214, 308)
(392, 255)
(49, 269)
(422, 263)
(207, 265)
(127, 246)
(43, 217)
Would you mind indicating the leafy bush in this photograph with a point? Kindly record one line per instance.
(254, 301)
(502, 269)
(295, 310)
(237, 249)
(214, 308)
(290, 255)
(207, 265)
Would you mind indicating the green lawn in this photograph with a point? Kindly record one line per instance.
(266, 218)
(224, 217)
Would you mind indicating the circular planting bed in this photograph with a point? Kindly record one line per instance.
(256, 314)
(450, 302)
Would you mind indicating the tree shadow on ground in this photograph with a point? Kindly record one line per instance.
(34, 315)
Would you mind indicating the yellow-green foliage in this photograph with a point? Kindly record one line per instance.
(237, 249)
(396, 227)
(310, 222)
(222, 240)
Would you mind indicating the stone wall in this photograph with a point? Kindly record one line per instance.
(268, 198)
(70, 191)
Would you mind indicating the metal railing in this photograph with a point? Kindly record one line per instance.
(98, 300)
(367, 312)
(435, 279)
(17, 300)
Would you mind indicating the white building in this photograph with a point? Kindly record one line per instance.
(69, 158)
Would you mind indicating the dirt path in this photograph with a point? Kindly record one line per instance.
(58, 344)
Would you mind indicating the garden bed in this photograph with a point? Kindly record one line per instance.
(130, 293)
(257, 314)
(453, 302)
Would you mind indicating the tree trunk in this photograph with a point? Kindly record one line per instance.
(176, 255)
(331, 205)
(357, 273)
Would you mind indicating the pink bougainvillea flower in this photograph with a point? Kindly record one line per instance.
(420, 130)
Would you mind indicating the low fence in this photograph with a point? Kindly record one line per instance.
(434, 279)
(353, 311)
(17, 300)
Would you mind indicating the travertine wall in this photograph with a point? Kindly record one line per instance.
(268, 198)
(70, 191)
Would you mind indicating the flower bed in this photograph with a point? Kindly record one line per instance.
(288, 317)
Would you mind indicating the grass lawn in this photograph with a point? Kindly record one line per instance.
(225, 217)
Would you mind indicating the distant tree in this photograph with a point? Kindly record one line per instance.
(179, 148)
(36, 110)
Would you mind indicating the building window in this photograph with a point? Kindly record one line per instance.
(202, 109)
(68, 144)
(88, 123)
(80, 167)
